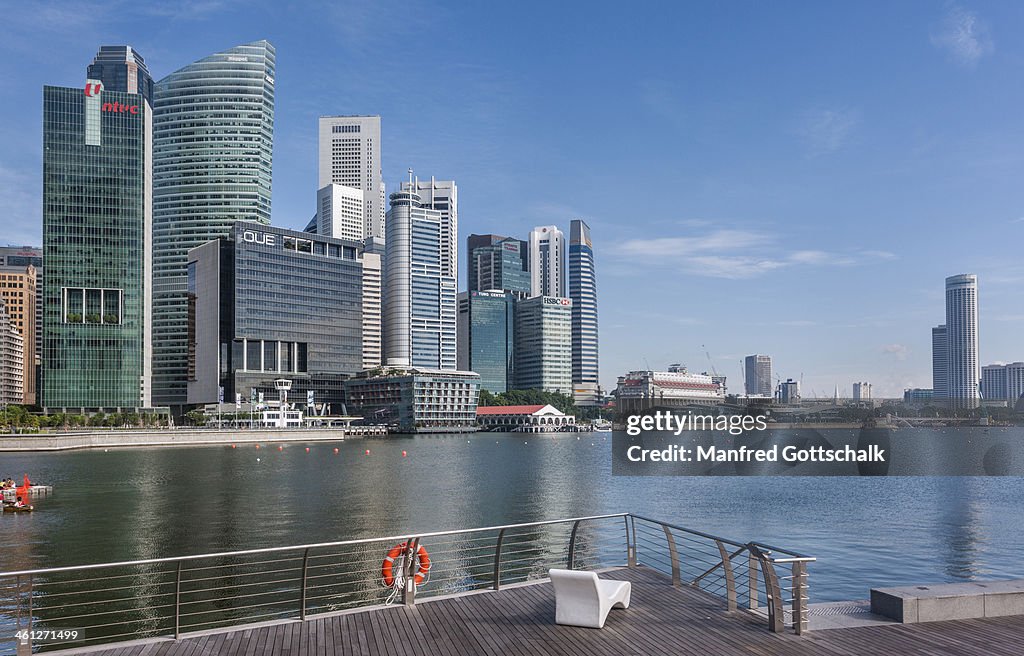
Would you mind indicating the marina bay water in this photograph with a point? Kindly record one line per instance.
(125, 504)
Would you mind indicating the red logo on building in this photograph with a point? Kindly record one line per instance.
(94, 89)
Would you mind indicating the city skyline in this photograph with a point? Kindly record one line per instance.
(805, 209)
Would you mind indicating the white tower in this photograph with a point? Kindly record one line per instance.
(547, 262)
(963, 370)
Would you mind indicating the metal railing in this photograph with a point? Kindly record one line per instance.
(111, 602)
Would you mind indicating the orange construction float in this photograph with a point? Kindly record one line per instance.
(387, 572)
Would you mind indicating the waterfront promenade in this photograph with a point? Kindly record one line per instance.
(177, 437)
(519, 620)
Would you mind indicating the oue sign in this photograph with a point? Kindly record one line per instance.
(253, 237)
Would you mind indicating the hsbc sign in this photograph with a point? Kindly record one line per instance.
(96, 88)
(555, 300)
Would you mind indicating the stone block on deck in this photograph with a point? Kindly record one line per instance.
(949, 601)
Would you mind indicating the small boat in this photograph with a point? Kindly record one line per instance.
(16, 509)
(601, 426)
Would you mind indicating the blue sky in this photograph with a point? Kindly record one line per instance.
(794, 179)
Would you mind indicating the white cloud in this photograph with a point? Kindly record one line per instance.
(964, 36)
(825, 130)
(899, 351)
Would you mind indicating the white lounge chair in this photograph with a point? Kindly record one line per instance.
(582, 599)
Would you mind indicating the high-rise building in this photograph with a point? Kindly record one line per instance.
(963, 371)
(339, 212)
(993, 382)
(583, 292)
(788, 392)
(349, 148)
(212, 147)
(940, 363)
(497, 265)
(373, 288)
(12, 364)
(547, 262)
(96, 245)
(18, 291)
(543, 344)
(1014, 383)
(486, 337)
(270, 303)
(16, 258)
(758, 375)
(442, 196)
(121, 68)
(862, 391)
(419, 314)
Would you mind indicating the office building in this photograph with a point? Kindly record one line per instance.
(349, 155)
(442, 196)
(547, 262)
(940, 363)
(268, 303)
(340, 212)
(416, 400)
(486, 337)
(18, 292)
(639, 391)
(419, 314)
(963, 372)
(121, 68)
(16, 258)
(583, 292)
(497, 263)
(1014, 383)
(373, 288)
(543, 344)
(862, 391)
(788, 392)
(918, 396)
(12, 363)
(993, 382)
(213, 148)
(758, 375)
(96, 245)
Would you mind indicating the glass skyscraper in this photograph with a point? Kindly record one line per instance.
(212, 146)
(96, 187)
(487, 337)
(498, 265)
(963, 372)
(583, 292)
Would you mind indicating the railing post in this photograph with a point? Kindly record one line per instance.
(673, 556)
(730, 579)
(773, 595)
(24, 647)
(302, 595)
(177, 602)
(572, 546)
(409, 568)
(752, 580)
(630, 543)
(497, 560)
(800, 619)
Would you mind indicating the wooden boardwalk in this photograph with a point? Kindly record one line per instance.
(520, 621)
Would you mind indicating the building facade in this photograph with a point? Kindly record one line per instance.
(213, 148)
(583, 292)
(498, 265)
(415, 400)
(1014, 383)
(12, 363)
(16, 258)
(993, 382)
(940, 363)
(524, 419)
(543, 344)
(340, 212)
(419, 314)
(373, 289)
(121, 68)
(96, 243)
(639, 391)
(349, 155)
(963, 370)
(486, 337)
(758, 375)
(268, 303)
(862, 391)
(547, 262)
(18, 292)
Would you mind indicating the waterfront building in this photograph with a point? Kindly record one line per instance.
(940, 363)
(414, 399)
(349, 155)
(1014, 383)
(96, 244)
(16, 258)
(788, 392)
(267, 304)
(583, 292)
(18, 292)
(758, 370)
(524, 418)
(993, 382)
(12, 363)
(639, 391)
(340, 212)
(862, 391)
(918, 395)
(212, 148)
(543, 344)
(500, 264)
(486, 337)
(963, 371)
(547, 262)
(419, 313)
(373, 288)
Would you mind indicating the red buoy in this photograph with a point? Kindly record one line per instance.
(257, 446)
(403, 454)
(335, 449)
(367, 452)
(280, 448)
(307, 449)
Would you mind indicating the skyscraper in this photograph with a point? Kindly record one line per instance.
(339, 212)
(17, 258)
(486, 333)
(419, 284)
(547, 261)
(350, 156)
(758, 379)
(963, 372)
(373, 288)
(583, 292)
(121, 68)
(993, 382)
(97, 187)
(212, 147)
(940, 363)
(500, 264)
(12, 364)
(443, 196)
(18, 291)
(543, 344)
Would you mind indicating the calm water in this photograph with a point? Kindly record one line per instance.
(146, 503)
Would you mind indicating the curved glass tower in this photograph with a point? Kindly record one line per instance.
(213, 134)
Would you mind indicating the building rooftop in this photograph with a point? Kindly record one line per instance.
(509, 409)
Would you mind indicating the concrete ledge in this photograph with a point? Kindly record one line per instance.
(949, 601)
(168, 437)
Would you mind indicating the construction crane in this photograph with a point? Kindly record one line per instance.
(708, 353)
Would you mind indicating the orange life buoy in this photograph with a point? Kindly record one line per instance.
(387, 567)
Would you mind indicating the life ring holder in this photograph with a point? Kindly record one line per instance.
(400, 552)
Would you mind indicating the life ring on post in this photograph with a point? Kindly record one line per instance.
(387, 572)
